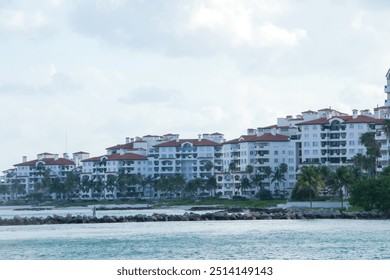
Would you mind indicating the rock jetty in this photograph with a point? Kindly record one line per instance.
(227, 214)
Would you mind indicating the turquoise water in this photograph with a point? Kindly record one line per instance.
(257, 239)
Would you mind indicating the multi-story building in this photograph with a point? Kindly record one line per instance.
(28, 173)
(259, 153)
(322, 137)
(335, 141)
(188, 157)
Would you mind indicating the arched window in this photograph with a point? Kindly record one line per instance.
(335, 125)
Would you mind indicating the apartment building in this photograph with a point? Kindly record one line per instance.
(320, 137)
(188, 157)
(259, 152)
(28, 173)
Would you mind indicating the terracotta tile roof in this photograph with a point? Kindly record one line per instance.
(47, 161)
(269, 127)
(195, 142)
(126, 156)
(316, 121)
(346, 119)
(151, 136)
(127, 146)
(216, 133)
(78, 153)
(361, 119)
(309, 112)
(267, 137)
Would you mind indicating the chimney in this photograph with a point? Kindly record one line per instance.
(24, 158)
(127, 140)
(199, 137)
(66, 156)
(56, 157)
(354, 113)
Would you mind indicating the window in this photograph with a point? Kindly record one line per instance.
(307, 152)
(315, 127)
(315, 152)
(351, 151)
(306, 144)
(351, 125)
(351, 143)
(315, 144)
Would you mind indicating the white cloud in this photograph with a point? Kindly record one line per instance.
(21, 21)
(58, 83)
(150, 95)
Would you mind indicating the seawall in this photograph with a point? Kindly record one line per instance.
(229, 214)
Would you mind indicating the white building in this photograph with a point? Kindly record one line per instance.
(334, 141)
(188, 157)
(28, 173)
(267, 150)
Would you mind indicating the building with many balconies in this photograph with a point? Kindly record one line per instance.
(29, 173)
(260, 152)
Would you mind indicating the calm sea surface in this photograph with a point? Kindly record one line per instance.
(258, 239)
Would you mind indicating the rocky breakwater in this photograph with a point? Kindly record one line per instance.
(292, 213)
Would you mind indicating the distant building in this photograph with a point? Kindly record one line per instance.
(29, 173)
(313, 137)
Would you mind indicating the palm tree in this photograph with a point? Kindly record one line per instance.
(279, 177)
(111, 183)
(208, 166)
(257, 180)
(358, 163)
(311, 180)
(341, 180)
(122, 182)
(194, 185)
(85, 184)
(211, 184)
(268, 173)
(245, 184)
(372, 150)
(249, 169)
(232, 169)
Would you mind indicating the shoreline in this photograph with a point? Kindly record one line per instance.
(232, 213)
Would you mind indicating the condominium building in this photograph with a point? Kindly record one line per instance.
(314, 137)
(28, 173)
(336, 140)
(188, 157)
(258, 152)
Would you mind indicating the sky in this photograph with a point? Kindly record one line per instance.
(83, 75)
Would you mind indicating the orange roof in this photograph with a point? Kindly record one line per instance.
(127, 156)
(195, 142)
(267, 137)
(47, 161)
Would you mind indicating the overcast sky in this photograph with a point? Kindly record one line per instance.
(94, 72)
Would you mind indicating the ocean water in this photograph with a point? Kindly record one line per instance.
(255, 239)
